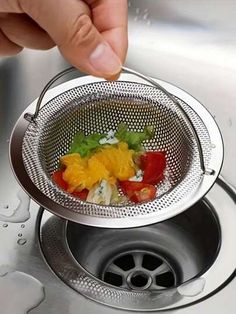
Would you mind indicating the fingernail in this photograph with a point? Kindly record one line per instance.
(105, 61)
(114, 77)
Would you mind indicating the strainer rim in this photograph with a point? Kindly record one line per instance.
(135, 221)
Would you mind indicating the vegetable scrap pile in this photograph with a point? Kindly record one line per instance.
(98, 164)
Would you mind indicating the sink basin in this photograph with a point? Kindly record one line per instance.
(191, 44)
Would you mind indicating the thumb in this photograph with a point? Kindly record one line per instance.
(87, 50)
(70, 26)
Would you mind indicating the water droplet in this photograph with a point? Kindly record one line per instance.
(5, 225)
(145, 10)
(145, 16)
(192, 288)
(21, 241)
(8, 140)
(21, 213)
(19, 235)
(149, 23)
(135, 18)
(213, 146)
(137, 10)
(26, 291)
(22, 226)
(5, 269)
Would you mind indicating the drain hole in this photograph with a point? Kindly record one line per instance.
(125, 262)
(151, 262)
(113, 279)
(166, 280)
(139, 280)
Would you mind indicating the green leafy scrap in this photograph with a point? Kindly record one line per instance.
(84, 145)
(134, 139)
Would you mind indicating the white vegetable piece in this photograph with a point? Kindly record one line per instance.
(138, 177)
(109, 138)
(100, 193)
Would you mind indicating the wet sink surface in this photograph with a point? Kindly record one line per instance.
(189, 43)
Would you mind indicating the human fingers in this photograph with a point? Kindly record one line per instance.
(24, 32)
(71, 28)
(8, 48)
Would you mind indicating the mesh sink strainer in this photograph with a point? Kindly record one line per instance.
(183, 129)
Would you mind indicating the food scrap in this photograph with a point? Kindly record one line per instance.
(97, 165)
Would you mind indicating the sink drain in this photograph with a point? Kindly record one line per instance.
(150, 268)
(139, 270)
(139, 280)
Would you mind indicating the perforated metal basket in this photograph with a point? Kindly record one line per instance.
(184, 130)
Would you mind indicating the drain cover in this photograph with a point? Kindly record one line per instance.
(139, 270)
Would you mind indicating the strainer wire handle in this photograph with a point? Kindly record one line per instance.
(170, 96)
(32, 117)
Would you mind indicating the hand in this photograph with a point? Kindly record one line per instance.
(91, 34)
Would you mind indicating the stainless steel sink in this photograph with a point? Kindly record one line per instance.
(191, 44)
